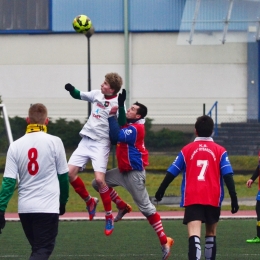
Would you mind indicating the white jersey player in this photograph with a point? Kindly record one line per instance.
(97, 127)
(95, 144)
(39, 160)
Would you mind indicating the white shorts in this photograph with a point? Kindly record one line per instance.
(89, 149)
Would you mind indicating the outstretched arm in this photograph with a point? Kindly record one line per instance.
(73, 91)
(121, 108)
(114, 129)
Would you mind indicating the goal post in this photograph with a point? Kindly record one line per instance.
(7, 123)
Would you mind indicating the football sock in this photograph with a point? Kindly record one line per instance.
(156, 223)
(109, 214)
(194, 248)
(210, 248)
(105, 196)
(258, 228)
(116, 199)
(80, 188)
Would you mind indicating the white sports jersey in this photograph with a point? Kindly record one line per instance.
(37, 158)
(97, 127)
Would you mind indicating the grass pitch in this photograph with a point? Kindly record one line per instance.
(130, 240)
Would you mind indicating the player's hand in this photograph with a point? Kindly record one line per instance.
(113, 111)
(249, 183)
(159, 194)
(2, 220)
(121, 98)
(69, 87)
(62, 209)
(234, 205)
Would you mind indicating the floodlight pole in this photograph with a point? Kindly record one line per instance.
(89, 33)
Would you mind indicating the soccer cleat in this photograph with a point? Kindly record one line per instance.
(253, 240)
(122, 212)
(91, 208)
(109, 228)
(166, 249)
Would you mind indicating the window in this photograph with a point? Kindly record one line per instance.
(24, 15)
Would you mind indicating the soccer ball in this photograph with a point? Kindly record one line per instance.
(81, 23)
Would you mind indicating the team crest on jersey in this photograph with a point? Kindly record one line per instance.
(128, 131)
(106, 104)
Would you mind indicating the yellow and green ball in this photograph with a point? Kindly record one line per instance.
(81, 23)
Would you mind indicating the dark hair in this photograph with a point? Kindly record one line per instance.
(204, 126)
(142, 110)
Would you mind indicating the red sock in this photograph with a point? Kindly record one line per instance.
(116, 199)
(80, 188)
(105, 196)
(156, 223)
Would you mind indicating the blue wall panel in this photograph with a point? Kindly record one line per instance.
(144, 15)
(155, 15)
(106, 16)
(212, 15)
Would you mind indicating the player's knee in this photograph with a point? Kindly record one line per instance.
(73, 172)
(100, 182)
(94, 185)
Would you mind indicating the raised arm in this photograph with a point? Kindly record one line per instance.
(73, 91)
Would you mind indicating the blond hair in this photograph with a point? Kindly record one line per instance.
(37, 113)
(115, 81)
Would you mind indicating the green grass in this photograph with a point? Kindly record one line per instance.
(131, 240)
(153, 181)
(160, 162)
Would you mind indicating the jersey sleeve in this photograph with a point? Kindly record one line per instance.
(75, 93)
(64, 187)
(113, 129)
(121, 116)
(89, 96)
(128, 135)
(61, 160)
(11, 168)
(6, 192)
(225, 165)
(178, 165)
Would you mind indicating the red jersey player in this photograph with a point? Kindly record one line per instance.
(204, 165)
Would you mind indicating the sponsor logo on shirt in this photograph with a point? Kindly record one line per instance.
(106, 104)
(96, 114)
(100, 105)
(203, 149)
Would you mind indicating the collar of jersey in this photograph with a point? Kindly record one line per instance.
(203, 139)
(110, 97)
(36, 128)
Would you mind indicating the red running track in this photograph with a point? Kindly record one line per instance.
(137, 215)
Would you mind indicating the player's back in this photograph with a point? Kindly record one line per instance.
(203, 181)
(37, 158)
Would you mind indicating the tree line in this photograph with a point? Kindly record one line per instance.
(68, 131)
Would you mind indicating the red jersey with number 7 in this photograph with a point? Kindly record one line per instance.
(203, 164)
